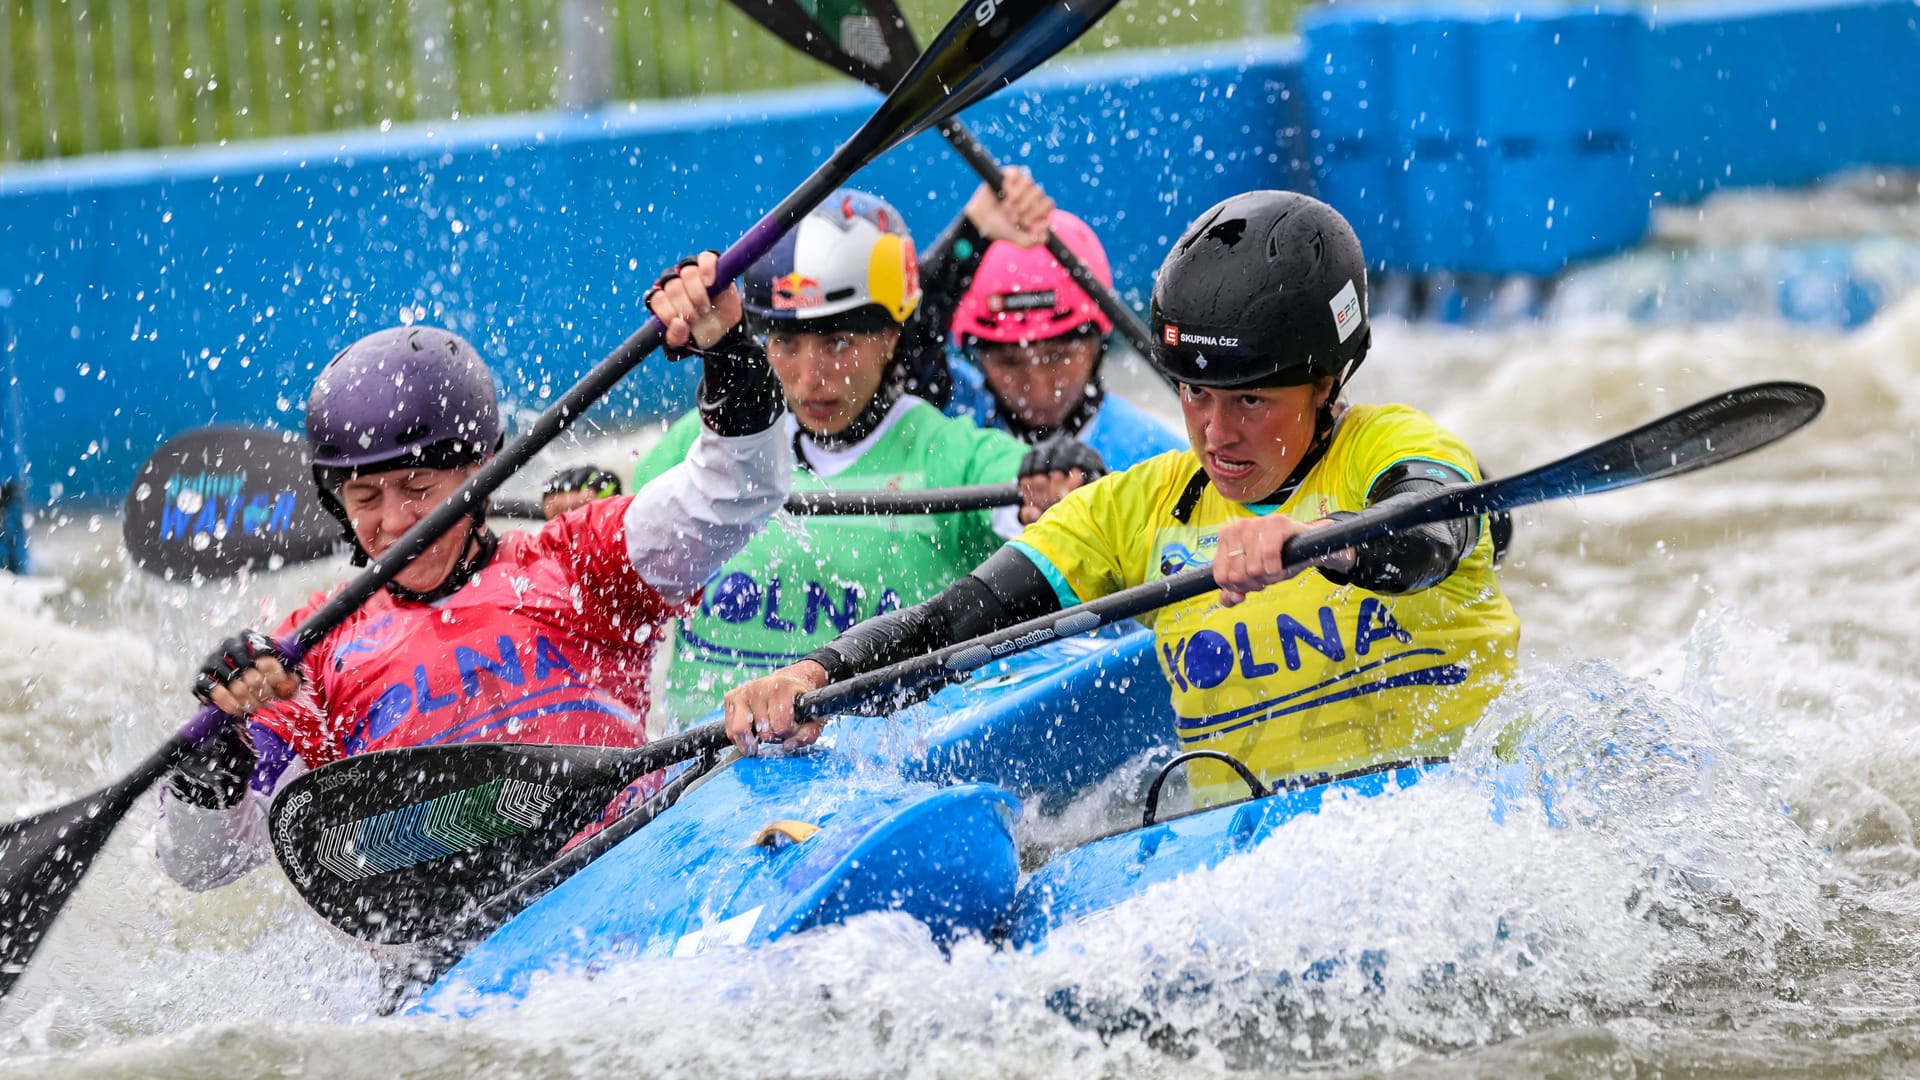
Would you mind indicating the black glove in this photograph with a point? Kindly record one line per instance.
(739, 393)
(1062, 454)
(588, 478)
(232, 659)
(214, 775)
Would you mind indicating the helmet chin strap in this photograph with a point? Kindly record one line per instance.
(474, 557)
(1082, 413)
(1323, 424)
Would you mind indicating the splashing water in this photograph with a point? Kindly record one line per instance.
(1705, 859)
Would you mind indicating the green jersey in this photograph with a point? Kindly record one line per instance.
(802, 580)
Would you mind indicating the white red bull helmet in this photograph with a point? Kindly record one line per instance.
(848, 265)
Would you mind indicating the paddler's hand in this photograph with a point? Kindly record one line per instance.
(1249, 556)
(1020, 217)
(243, 674)
(762, 710)
(681, 302)
(1051, 470)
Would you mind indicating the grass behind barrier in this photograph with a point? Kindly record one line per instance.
(87, 76)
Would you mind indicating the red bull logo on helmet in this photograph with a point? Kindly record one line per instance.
(794, 291)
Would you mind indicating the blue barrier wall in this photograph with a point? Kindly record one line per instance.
(1476, 142)
(1754, 94)
(154, 293)
(1506, 140)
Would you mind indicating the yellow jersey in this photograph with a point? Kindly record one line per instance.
(1305, 676)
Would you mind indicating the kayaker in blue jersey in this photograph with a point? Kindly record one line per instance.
(1035, 344)
(1383, 652)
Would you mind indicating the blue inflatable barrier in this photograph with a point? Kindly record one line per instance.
(1348, 137)
(1555, 110)
(1741, 95)
(1486, 143)
(161, 292)
(1429, 103)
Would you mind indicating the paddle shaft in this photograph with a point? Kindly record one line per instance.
(952, 500)
(793, 24)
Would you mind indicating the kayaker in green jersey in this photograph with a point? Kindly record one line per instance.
(833, 302)
(1382, 652)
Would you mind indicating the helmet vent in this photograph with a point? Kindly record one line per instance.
(841, 294)
(1228, 232)
(1273, 235)
(1194, 236)
(415, 433)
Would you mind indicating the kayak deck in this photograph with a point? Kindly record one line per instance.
(759, 850)
(1103, 873)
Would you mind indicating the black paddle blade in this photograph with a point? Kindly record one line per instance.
(218, 500)
(861, 38)
(42, 859)
(400, 845)
(1707, 433)
(1719, 429)
(985, 46)
(405, 845)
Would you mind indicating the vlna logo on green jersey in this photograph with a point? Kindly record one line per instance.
(740, 598)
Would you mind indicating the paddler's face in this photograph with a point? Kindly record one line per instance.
(830, 378)
(383, 506)
(1043, 381)
(1250, 440)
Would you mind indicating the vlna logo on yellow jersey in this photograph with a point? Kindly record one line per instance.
(1362, 649)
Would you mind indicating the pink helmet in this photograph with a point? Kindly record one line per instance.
(1023, 294)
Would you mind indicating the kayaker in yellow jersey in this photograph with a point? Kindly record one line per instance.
(1383, 652)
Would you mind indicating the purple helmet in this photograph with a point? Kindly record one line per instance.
(412, 396)
(409, 397)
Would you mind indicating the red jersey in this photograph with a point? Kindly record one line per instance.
(551, 643)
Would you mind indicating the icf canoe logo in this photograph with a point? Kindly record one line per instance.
(1176, 556)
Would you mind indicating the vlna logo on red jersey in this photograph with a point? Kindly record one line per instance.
(470, 674)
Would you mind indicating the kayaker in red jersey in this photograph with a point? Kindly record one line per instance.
(1383, 652)
(541, 637)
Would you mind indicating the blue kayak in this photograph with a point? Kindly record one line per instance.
(912, 814)
(757, 851)
(1045, 724)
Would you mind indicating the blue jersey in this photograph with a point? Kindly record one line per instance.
(1121, 432)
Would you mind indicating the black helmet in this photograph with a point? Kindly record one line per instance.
(1268, 288)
